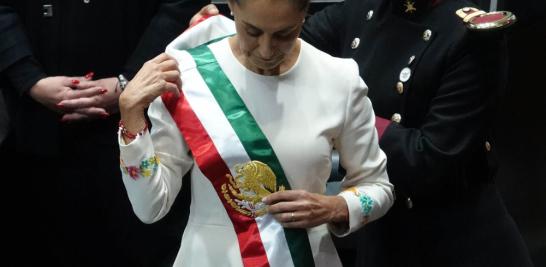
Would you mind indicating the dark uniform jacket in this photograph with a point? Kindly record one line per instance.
(12, 49)
(72, 38)
(69, 181)
(438, 82)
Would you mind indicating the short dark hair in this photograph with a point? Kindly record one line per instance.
(300, 4)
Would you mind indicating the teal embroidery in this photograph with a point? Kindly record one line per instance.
(366, 204)
(146, 169)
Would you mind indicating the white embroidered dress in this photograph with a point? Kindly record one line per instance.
(319, 104)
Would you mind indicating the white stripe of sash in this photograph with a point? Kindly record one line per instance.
(230, 149)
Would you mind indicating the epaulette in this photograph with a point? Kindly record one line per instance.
(479, 20)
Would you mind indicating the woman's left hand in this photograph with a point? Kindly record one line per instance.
(301, 209)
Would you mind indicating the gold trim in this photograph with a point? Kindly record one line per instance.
(469, 14)
(508, 19)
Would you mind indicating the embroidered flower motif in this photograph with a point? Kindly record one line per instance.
(366, 204)
(154, 160)
(133, 171)
(144, 164)
(146, 169)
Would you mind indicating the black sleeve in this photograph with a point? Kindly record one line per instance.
(16, 61)
(325, 29)
(456, 125)
(171, 19)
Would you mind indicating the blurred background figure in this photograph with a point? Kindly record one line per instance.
(60, 64)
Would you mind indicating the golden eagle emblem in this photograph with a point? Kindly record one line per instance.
(253, 181)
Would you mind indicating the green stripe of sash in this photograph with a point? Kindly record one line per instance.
(252, 138)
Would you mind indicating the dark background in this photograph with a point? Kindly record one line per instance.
(521, 126)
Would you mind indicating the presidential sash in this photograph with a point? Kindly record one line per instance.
(231, 150)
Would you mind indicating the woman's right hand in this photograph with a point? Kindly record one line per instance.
(156, 77)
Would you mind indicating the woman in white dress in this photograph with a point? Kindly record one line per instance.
(254, 123)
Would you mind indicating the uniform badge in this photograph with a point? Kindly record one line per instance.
(244, 192)
(410, 6)
(479, 20)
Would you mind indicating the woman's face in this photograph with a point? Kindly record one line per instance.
(267, 30)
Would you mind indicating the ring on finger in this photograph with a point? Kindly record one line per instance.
(292, 217)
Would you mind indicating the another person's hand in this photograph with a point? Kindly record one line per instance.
(157, 76)
(101, 105)
(301, 209)
(51, 91)
(205, 12)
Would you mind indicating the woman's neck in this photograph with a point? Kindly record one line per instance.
(285, 65)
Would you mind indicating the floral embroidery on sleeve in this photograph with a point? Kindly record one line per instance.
(146, 169)
(366, 202)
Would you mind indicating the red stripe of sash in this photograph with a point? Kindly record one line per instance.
(215, 169)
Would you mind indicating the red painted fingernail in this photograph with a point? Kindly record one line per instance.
(104, 115)
(59, 105)
(89, 75)
(75, 82)
(103, 91)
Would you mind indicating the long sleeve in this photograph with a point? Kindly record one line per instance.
(366, 187)
(153, 165)
(170, 20)
(433, 157)
(17, 63)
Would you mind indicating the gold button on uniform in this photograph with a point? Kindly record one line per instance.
(427, 34)
(411, 59)
(355, 43)
(396, 118)
(487, 146)
(405, 74)
(400, 88)
(369, 15)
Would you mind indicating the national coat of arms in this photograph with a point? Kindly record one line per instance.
(253, 181)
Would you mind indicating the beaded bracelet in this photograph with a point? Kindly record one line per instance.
(126, 133)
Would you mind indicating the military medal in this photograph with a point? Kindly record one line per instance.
(244, 192)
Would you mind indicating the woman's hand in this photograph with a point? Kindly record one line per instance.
(51, 91)
(301, 209)
(92, 106)
(156, 77)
